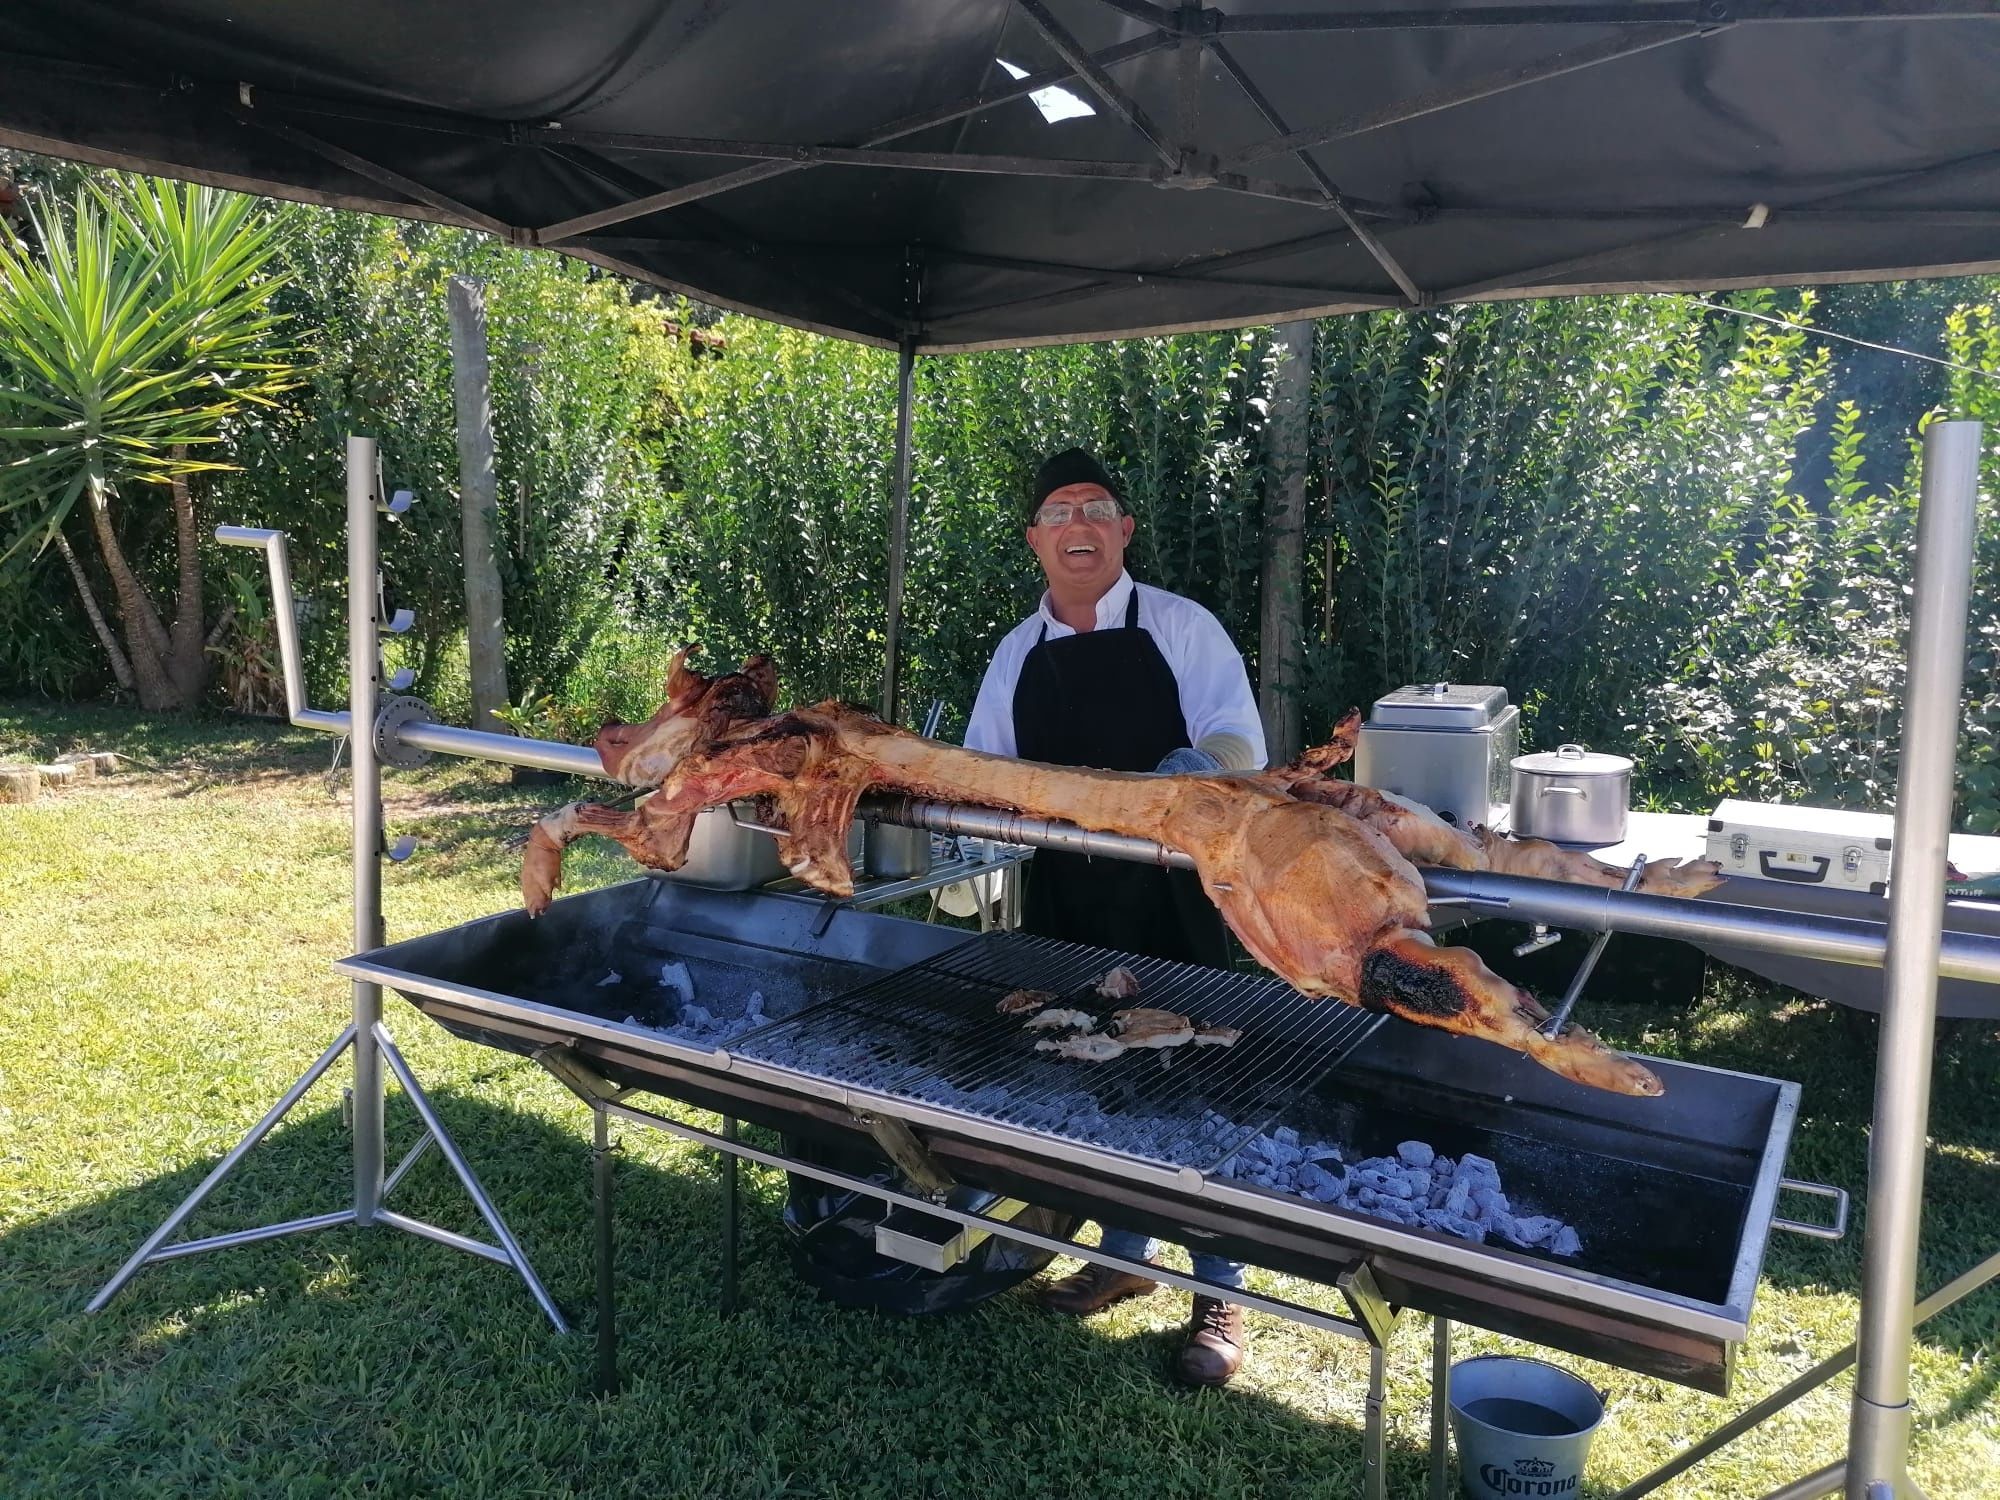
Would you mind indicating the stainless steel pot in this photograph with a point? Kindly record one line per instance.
(890, 851)
(1571, 795)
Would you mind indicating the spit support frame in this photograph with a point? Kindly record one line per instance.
(1877, 1466)
(365, 1036)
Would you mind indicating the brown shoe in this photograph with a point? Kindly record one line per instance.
(1215, 1343)
(1092, 1289)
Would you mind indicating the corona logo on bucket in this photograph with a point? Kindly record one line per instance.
(1530, 1476)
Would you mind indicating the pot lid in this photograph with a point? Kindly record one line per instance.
(1440, 705)
(1573, 760)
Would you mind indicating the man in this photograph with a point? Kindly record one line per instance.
(1123, 677)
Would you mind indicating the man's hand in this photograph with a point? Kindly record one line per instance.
(1188, 761)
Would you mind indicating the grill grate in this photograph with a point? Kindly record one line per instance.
(930, 1034)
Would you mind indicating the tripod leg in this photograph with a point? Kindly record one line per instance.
(223, 1168)
(508, 1246)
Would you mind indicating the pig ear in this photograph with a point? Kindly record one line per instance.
(683, 684)
(763, 675)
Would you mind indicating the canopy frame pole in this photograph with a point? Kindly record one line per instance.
(1879, 1432)
(708, 187)
(899, 527)
(1100, 83)
(1467, 91)
(1336, 200)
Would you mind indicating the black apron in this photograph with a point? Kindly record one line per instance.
(1107, 699)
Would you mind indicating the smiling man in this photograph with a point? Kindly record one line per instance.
(1120, 676)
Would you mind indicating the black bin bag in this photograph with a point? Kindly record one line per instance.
(832, 1235)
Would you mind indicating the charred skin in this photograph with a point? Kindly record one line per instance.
(1313, 874)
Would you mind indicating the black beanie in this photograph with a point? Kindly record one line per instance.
(1071, 466)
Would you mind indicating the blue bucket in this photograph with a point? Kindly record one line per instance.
(1522, 1427)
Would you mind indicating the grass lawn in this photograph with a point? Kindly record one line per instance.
(167, 937)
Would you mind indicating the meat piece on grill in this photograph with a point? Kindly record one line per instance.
(1138, 1029)
(1317, 881)
(1055, 1017)
(1020, 1002)
(1119, 984)
(1086, 1046)
(1146, 1027)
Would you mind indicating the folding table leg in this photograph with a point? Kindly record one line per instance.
(1440, 1408)
(729, 1165)
(607, 1293)
(1374, 1437)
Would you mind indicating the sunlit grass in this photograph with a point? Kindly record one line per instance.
(168, 937)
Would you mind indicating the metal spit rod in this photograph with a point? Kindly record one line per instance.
(1587, 908)
(1844, 940)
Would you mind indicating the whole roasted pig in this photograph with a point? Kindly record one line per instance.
(1314, 875)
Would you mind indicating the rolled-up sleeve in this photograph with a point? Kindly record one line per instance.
(1215, 687)
(991, 727)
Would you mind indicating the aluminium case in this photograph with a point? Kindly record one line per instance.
(1804, 846)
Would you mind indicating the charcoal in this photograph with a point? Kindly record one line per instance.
(675, 976)
(1534, 1230)
(1284, 1135)
(1566, 1242)
(1478, 1167)
(1416, 1154)
(1319, 1182)
(1491, 1201)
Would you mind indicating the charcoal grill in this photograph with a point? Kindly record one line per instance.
(876, 1019)
(1672, 1300)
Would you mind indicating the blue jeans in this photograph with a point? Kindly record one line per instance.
(1134, 1246)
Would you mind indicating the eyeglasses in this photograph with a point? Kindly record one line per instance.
(1060, 512)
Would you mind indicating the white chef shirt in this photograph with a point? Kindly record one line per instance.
(1215, 688)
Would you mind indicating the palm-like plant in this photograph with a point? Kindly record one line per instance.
(130, 336)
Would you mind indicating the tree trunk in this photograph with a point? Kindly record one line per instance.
(1280, 639)
(187, 658)
(121, 669)
(478, 502)
(145, 637)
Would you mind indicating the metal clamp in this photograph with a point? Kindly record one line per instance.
(1543, 938)
(1372, 1312)
(396, 713)
(900, 1144)
(1834, 1231)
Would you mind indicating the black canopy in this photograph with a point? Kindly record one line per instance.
(874, 170)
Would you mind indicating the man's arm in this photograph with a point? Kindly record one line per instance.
(991, 727)
(1222, 717)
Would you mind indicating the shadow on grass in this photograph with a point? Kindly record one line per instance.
(349, 1358)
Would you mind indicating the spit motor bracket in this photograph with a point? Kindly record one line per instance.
(397, 712)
